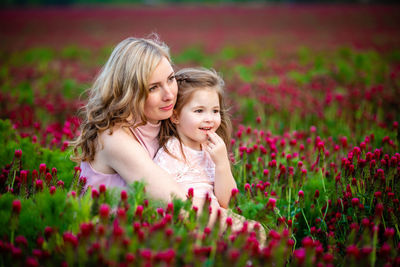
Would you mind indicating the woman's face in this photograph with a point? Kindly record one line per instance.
(163, 90)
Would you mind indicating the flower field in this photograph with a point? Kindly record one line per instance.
(314, 94)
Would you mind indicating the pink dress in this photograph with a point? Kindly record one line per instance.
(147, 137)
(197, 172)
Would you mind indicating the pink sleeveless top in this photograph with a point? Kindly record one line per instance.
(197, 172)
(147, 137)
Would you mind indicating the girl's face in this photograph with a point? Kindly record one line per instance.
(163, 90)
(200, 115)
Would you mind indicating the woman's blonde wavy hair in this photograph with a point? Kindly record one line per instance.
(189, 81)
(119, 92)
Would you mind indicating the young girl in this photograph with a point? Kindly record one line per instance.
(194, 142)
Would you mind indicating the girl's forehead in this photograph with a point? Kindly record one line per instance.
(205, 96)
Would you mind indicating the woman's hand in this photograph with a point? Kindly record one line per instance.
(216, 147)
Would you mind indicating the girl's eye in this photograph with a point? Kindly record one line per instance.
(198, 110)
(216, 111)
(171, 78)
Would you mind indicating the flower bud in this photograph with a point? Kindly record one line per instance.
(16, 206)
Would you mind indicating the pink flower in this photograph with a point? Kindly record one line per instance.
(18, 154)
(274, 235)
(60, 183)
(124, 195)
(52, 190)
(104, 211)
(234, 192)
(313, 129)
(102, 188)
(355, 201)
(301, 194)
(42, 168)
(95, 193)
(129, 257)
(160, 211)
(170, 207)
(379, 209)
(352, 250)
(71, 239)
(271, 202)
(139, 211)
(39, 184)
(229, 221)
(300, 255)
(247, 187)
(146, 253)
(31, 262)
(190, 193)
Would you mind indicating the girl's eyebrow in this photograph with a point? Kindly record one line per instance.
(205, 107)
(155, 83)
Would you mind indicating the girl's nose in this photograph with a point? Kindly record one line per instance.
(208, 117)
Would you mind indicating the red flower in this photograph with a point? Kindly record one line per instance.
(52, 189)
(139, 211)
(129, 257)
(104, 211)
(18, 154)
(234, 192)
(95, 193)
(271, 202)
(70, 238)
(16, 206)
(124, 195)
(355, 201)
(102, 188)
(42, 168)
(190, 193)
(39, 184)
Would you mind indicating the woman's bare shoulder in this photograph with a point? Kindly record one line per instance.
(118, 140)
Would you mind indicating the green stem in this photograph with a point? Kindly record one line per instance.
(397, 229)
(373, 254)
(326, 212)
(309, 229)
(322, 179)
(12, 236)
(383, 220)
(290, 195)
(12, 184)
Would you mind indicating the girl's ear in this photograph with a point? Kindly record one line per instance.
(174, 118)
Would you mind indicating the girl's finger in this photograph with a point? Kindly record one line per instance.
(214, 138)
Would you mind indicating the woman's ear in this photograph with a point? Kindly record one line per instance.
(174, 118)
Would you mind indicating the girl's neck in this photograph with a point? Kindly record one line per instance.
(192, 145)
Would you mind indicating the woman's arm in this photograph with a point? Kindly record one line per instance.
(122, 153)
(224, 181)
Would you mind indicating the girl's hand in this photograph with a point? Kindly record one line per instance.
(216, 147)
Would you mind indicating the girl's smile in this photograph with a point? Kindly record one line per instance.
(197, 117)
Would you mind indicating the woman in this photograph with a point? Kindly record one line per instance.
(134, 92)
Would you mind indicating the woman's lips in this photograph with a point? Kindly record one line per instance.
(167, 107)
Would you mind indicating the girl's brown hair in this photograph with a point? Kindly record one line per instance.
(190, 80)
(118, 93)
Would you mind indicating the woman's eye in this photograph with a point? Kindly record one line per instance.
(171, 78)
(152, 88)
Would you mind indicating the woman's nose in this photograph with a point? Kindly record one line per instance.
(168, 93)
